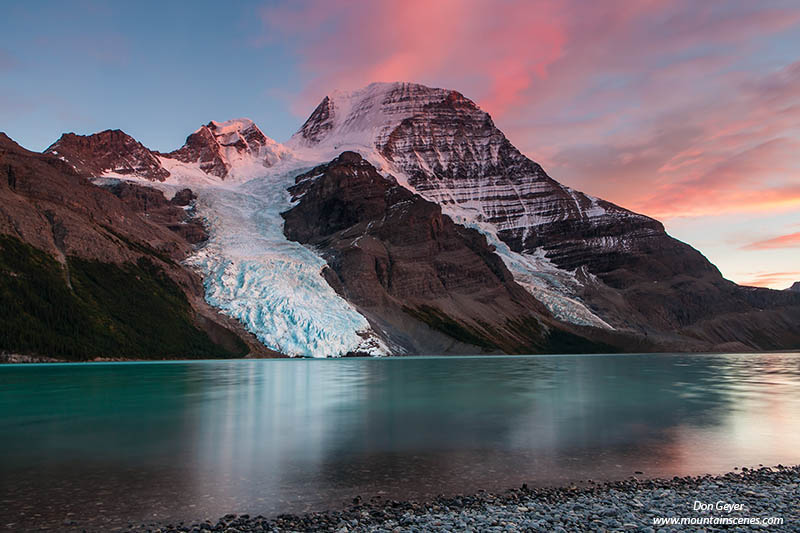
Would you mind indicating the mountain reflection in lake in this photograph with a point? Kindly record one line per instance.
(119, 443)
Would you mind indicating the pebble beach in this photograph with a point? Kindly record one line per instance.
(762, 499)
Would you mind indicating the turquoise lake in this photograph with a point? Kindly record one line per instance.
(107, 444)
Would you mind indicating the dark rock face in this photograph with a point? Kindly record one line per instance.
(177, 214)
(405, 264)
(108, 151)
(319, 122)
(49, 196)
(795, 287)
(183, 198)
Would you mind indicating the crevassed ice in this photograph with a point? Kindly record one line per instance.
(252, 273)
(272, 285)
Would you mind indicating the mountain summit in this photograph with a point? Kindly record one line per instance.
(444, 147)
(220, 148)
(108, 152)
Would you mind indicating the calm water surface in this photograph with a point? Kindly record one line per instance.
(109, 444)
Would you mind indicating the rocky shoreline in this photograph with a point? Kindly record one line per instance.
(16, 358)
(630, 505)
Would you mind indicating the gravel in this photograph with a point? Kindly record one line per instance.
(628, 505)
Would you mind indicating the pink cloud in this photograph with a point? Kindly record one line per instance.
(712, 152)
(761, 178)
(639, 102)
(771, 279)
(673, 108)
(492, 50)
(791, 240)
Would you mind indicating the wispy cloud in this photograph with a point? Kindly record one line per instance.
(651, 104)
(791, 240)
(771, 279)
(675, 108)
(493, 50)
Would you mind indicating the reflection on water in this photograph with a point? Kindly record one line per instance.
(119, 443)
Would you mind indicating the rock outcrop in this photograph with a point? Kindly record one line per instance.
(416, 274)
(177, 215)
(108, 152)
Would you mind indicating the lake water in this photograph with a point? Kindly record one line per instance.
(108, 444)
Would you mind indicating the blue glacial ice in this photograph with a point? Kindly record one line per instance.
(273, 286)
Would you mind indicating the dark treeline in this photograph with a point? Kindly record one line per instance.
(106, 310)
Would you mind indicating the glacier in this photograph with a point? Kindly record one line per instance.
(273, 286)
(250, 271)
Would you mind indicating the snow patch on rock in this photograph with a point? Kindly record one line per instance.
(557, 289)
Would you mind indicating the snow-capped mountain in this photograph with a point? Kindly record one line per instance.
(555, 239)
(234, 147)
(589, 271)
(450, 151)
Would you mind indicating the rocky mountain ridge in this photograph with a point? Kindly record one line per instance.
(374, 170)
(220, 150)
(219, 147)
(108, 152)
(88, 272)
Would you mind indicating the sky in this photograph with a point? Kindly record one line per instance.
(682, 110)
